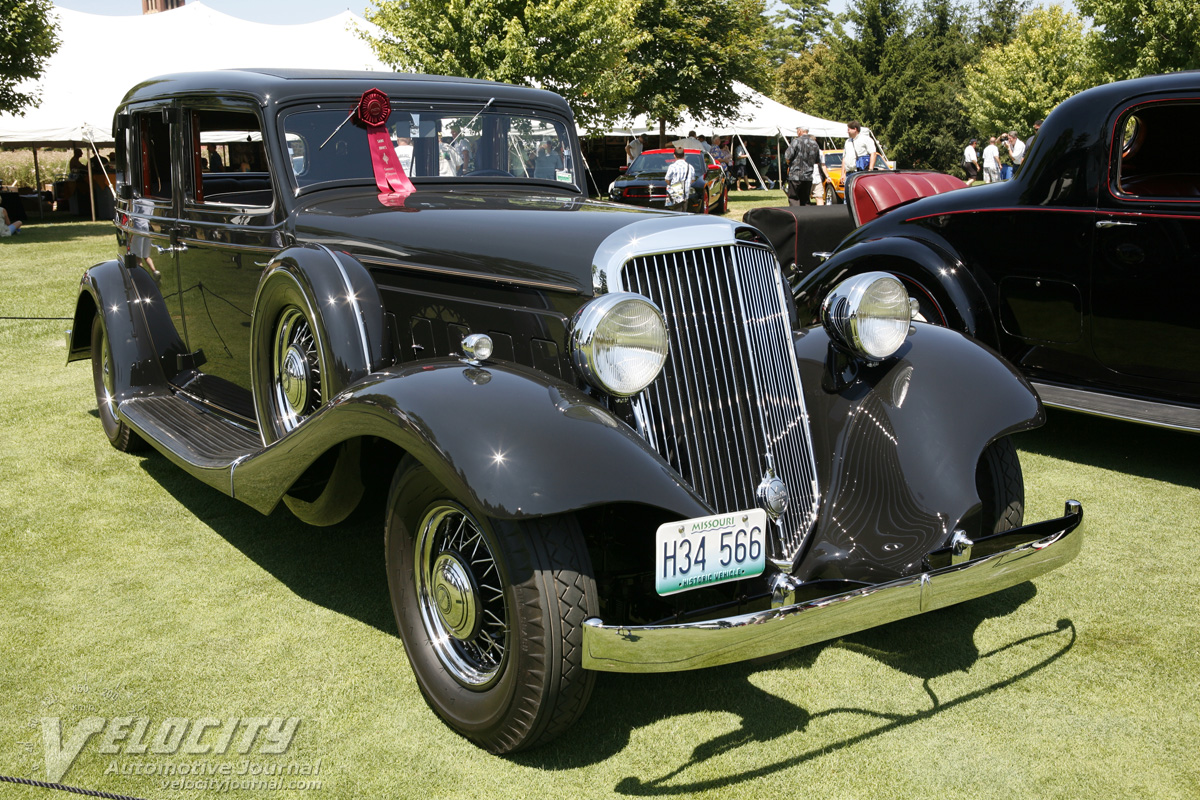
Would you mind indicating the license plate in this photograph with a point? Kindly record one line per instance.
(709, 550)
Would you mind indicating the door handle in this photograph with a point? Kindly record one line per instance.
(171, 248)
(1110, 223)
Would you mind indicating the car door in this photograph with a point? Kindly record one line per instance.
(1146, 258)
(228, 229)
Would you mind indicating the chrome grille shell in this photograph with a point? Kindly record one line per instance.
(728, 405)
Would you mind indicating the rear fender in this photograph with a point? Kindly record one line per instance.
(897, 446)
(140, 331)
(924, 269)
(514, 442)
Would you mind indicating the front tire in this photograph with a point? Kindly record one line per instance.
(120, 435)
(831, 197)
(1001, 487)
(490, 612)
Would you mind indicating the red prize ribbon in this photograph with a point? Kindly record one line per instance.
(373, 110)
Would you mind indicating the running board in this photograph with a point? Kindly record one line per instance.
(201, 442)
(1162, 415)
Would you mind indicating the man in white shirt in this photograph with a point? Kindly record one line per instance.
(633, 148)
(991, 162)
(1016, 147)
(680, 175)
(971, 162)
(864, 148)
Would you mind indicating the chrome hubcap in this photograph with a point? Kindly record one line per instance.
(460, 595)
(455, 596)
(294, 378)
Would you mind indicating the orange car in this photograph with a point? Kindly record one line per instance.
(834, 191)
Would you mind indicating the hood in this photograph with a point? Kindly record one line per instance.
(527, 236)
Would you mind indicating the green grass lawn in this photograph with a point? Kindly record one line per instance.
(131, 590)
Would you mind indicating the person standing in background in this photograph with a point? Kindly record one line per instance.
(802, 156)
(680, 175)
(633, 148)
(991, 162)
(971, 162)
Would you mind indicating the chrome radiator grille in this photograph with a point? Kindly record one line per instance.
(728, 402)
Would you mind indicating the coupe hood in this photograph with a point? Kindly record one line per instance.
(527, 236)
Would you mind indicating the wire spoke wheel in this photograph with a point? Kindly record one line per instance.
(461, 595)
(490, 612)
(295, 369)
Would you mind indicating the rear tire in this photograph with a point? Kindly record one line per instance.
(1001, 487)
(723, 207)
(831, 197)
(120, 435)
(490, 612)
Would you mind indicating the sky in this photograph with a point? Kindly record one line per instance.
(278, 12)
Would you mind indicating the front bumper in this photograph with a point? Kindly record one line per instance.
(999, 562)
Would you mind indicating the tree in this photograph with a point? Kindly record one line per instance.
(796, 28)
(851, 86)
(925, 121)
(693, 52)
(578, 48)
(1132, 38)
(798, 79)
(28, 37)
(997, 20)
(1011, 87)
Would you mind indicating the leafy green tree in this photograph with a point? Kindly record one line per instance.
(864, 42)
(799, 78)
(924, 120)
(1010, 87)
(693, 52)
(996, 21)
(578, 48)
(1132, 38)
(28, 37)
(796, 28)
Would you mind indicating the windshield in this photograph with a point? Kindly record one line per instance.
(658, 162)
(430, 143)
(833, 160)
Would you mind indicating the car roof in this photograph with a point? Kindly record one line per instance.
(667, 150)
(276, 86)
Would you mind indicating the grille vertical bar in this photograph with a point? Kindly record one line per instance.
(730, 391)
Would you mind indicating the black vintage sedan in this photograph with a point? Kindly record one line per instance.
(604, 441)
(643, 183)
(1083, 270)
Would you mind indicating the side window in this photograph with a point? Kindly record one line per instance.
(228, 163)
(1146, 149)
(153, 160)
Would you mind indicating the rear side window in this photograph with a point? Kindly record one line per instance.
(227, 159)
(152, 163)
(1150, 152)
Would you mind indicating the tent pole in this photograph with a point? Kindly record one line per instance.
(762, 185)
(37, 188)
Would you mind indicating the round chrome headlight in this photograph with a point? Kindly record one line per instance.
(619, 343)
(869, 314)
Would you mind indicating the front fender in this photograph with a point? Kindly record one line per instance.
(897, 446)
(921, 265)
(516, 443)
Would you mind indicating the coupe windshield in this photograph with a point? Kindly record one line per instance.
(658, 162)
(430, 143)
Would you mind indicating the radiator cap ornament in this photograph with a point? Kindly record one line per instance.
(772, 492)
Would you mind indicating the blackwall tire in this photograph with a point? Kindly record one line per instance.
(723, 208)
(831, 198)
(490, 612)
(1001, 487)
(120, 435)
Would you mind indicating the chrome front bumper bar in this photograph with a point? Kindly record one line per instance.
(1028, 552)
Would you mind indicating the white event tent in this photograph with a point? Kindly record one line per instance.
(756, 115)
(102, 57)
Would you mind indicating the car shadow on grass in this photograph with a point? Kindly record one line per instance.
(925, 647)
(1143, 450)
(339, 567)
